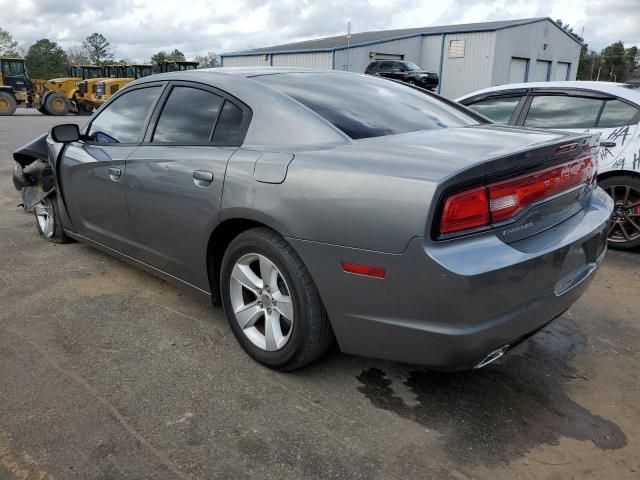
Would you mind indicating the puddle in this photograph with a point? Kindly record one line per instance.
(503, 411)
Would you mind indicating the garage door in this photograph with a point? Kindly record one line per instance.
(542, 71)
(518, 70)
(562, 71)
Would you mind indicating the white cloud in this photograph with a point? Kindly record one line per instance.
(139, 28)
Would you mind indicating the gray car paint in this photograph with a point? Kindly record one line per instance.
(444, 302)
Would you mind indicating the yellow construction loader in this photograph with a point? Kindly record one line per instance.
(87, 88)
(16, 89)
(59, 95)
(103, 89)
(178, 66)
(51, 97)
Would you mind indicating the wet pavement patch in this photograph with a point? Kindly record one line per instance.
(492, 415)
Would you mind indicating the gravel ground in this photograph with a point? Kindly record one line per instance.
(107, 372)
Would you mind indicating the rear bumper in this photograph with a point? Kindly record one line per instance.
(447, 305)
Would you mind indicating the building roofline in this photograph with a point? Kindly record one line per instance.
(250, 53)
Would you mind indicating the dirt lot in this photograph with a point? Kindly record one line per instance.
(107, 372)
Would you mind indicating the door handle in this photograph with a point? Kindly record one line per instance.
(608, 144)
(114, 173)
(202, 178)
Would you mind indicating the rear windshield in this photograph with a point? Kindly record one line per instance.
(363, 106)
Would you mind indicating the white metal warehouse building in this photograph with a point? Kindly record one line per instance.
(466, 57)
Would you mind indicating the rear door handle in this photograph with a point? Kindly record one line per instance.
(202, 178)
(114, 173)
(608, 144)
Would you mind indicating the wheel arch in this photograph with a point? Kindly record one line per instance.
(618, 173)
(219, 240)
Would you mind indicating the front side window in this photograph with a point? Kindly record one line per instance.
(497, 109)
(188, 117)
(563, 111)
(124, 120)
(363, 106)
(617, 114)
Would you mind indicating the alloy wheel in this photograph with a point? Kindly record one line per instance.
(625, 220)
(45, 217)
(261, 302)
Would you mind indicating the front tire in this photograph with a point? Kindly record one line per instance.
(624, 230)
(48, 220)
(8, 104)
(271, 302)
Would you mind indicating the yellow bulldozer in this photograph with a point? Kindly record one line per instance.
(57, 96)
(96, 93)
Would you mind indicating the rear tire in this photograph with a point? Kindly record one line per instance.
(303, 332)
(57, 104)
(48, 221)
(8, 104)
(624, 231)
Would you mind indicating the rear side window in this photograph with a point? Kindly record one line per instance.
(363, 106)
(617, 114)
(497, 109)
(188, 116)
(123, 120)
(562, 111)
(228, 129)
(385, 66)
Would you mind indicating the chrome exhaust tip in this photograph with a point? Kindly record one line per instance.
(492, 357)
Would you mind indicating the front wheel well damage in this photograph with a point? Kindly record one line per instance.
(219, 240)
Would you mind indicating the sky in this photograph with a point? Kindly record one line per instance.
(139, 28)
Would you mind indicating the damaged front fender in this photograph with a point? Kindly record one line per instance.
(33, 174)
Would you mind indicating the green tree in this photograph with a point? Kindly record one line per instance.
(98, 49)
(78, 56)
(162, 56)
(210, 60)
(46, 59)
(8, 48)
(614, 67)
(176, 55)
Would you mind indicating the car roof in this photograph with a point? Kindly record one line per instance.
(611, 88)
(275, 115)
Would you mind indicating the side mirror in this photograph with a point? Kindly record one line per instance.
(67, 133)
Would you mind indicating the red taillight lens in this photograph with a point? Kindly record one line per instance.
(510, 197)
(500, 201)
(465, 210)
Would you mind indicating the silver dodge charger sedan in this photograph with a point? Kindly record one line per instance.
(320, 205)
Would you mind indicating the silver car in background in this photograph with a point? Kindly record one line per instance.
(319, 204)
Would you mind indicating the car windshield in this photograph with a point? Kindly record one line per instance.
(364, 106)
(411, 67)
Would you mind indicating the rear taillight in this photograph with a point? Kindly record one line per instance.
(500, 201)
(465, 210)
